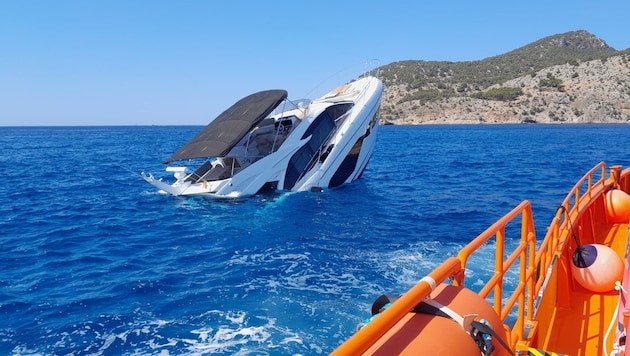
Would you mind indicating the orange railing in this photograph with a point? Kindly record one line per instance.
(532, 263)
(524, 253)
(531, 260)
(370, 333)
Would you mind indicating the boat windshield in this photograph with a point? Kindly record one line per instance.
(290, 105)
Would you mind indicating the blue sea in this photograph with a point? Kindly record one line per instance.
(95, 262)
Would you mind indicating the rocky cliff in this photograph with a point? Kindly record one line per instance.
(578, 91)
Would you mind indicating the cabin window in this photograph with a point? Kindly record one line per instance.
(320, 130)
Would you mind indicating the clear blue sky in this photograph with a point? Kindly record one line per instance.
(131, 62)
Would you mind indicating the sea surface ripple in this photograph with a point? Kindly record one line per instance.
(95, 262)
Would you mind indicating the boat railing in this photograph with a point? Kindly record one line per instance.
(521, 258)
(319, 154)
(376, 328)
(372, 72)
(262, 141)
(531, 262)
(323, 150)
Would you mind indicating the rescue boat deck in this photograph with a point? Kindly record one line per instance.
(582, 318)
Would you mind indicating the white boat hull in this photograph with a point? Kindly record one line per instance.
(305, 159)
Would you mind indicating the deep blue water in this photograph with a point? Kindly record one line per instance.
(95, 262)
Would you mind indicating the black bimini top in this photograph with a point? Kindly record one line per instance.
(224, 132)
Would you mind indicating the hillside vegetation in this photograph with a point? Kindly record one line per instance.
(571, 77)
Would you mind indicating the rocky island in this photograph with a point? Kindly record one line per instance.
(573, 77)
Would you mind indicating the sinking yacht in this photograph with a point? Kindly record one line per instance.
(265, 141)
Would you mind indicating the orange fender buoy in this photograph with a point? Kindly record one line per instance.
(429, 334)
(597, 267)
(617, 206)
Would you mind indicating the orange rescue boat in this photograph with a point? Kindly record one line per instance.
(571, 297)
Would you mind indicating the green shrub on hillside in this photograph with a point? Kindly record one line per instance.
(572, 47)
(425, 96)
(551, 82)
(500, 94)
